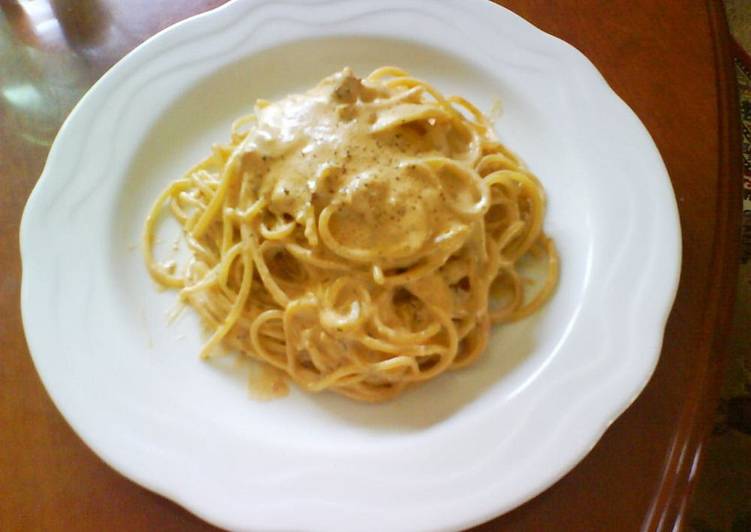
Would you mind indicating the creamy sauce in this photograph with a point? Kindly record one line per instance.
(339, 145)
(266, 382)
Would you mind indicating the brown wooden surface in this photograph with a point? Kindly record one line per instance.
(667, 60)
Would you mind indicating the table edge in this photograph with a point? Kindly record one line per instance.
(669, 509)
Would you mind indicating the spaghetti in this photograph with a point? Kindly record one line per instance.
(360, 237)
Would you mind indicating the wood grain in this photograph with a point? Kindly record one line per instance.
(667, 61)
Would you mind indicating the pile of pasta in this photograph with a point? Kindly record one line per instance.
(361, 237)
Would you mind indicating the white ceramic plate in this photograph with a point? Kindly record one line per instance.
(457, 451)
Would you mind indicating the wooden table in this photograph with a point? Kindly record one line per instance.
(669, 61)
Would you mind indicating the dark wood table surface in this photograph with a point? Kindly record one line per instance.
(668, 60)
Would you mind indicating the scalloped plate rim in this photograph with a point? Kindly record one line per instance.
(27, 247)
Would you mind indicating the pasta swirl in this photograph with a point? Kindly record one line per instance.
(361, 237)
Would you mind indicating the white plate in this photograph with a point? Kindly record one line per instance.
(460, 450)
